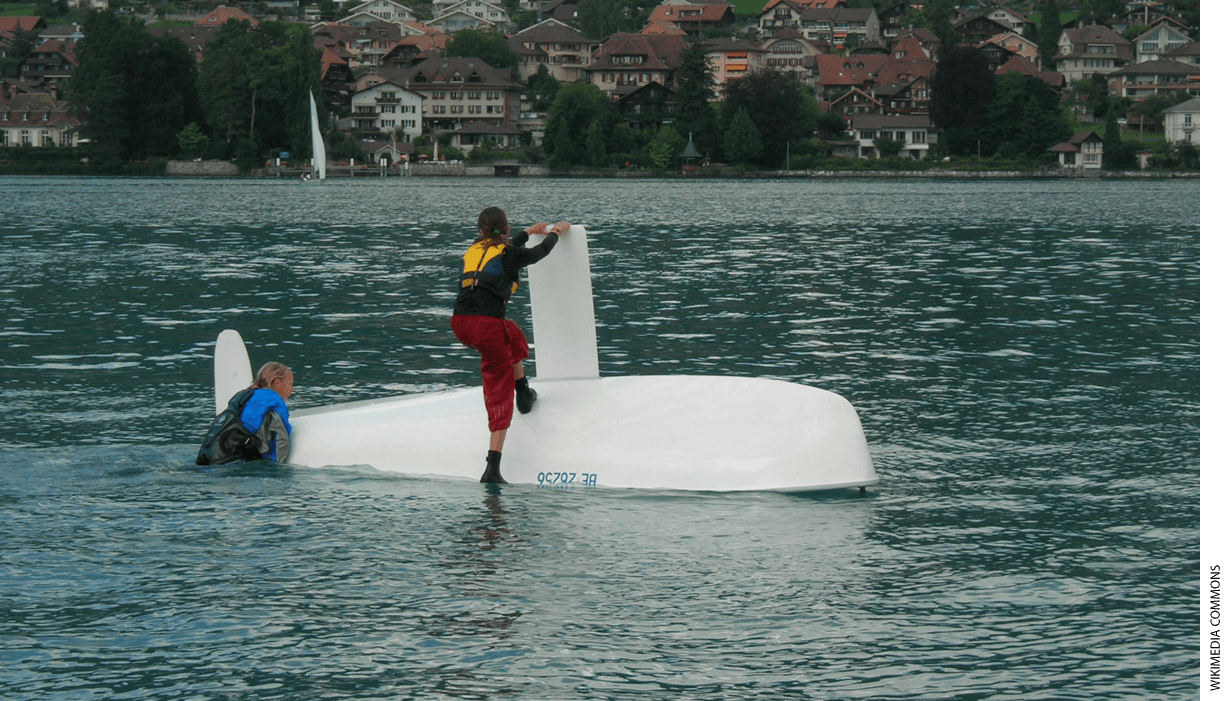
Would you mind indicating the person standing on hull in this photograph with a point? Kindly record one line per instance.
(255, 424)
(489, 275)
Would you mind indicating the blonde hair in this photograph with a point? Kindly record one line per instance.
(268, 373)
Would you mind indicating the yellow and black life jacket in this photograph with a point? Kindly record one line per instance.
(482, 266)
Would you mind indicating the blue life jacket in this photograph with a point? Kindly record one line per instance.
(262, 402)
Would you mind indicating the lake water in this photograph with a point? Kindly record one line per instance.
(1024, 356)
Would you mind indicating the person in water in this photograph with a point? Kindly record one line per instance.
(489, 275)
(255, 424)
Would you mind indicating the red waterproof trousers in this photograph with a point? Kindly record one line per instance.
(501, 345)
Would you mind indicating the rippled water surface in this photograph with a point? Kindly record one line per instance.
(1024, 357)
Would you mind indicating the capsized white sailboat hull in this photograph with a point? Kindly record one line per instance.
(716, 433)
(656, 432)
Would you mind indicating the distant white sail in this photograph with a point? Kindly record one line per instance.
(318, 142)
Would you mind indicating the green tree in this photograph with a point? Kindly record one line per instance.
(192, 141)
(1154, 105)
(595, 145)
(961, 90)
(576, 106)
(487, 44)
(563, 151)
(1186, 155)
(329, 10)
(1049, 32)
(1025, 118)
(600, 19)
(228, 84)
(1091, 94)
(1091, 11)
(51, 9)
(694, 113)
(782, 109)
(830, 125)
(541, 89)
(623, 141)
(107, 127)
(21, 45)
(888, 147)
(138, 92)
(255, 83)
(939, 14)
(1115, 154)
(666, 145)
(347, 146)
(742, 143)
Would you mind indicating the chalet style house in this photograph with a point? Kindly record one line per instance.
(386, 109)
(1087, 51)
(1082, 151)
(564, 51)
(454, 91)
(915, 132)
(627, 61)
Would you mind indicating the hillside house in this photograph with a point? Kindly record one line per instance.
(1087, 51)
(629, 60)
(1182, 122)
(915, 131)
(564, 51)
(37, 119)
(386, 110)
(1082, 151)
(1142, 80)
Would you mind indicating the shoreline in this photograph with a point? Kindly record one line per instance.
(216, 169)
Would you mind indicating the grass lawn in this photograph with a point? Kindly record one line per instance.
(10, 9)
(748, 7)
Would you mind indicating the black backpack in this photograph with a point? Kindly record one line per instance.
(227, 440)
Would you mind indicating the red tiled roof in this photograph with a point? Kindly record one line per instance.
(837, 70)
(34, 107)
(661, 51)
(26, 24)
(222, 14)
(59, 46)
(899, 72)
(806, 4)
(674, 13)
(911, 47)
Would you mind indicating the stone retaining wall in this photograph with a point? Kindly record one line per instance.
(224, 168)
